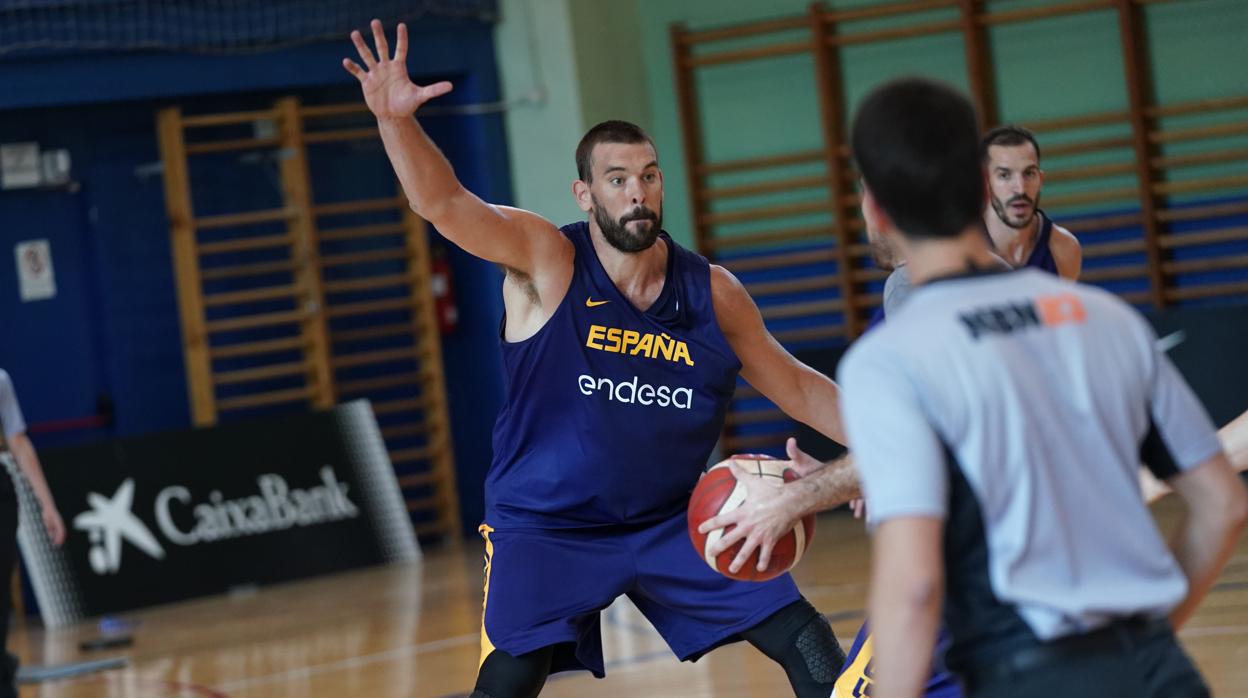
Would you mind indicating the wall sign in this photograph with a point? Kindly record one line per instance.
(36, 278)
(173, 516)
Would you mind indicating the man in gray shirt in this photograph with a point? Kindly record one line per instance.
(16, 442)
(896, 288)
(997, 421)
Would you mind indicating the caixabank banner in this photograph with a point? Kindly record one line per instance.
(172, 516)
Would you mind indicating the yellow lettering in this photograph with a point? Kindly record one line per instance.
(633, 343)
(682, 352)
(630, 338)
(596, 333)
(613, 336)
(664, 348)
(646, 346)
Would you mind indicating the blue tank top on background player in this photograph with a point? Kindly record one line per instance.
(1041, 256)
(611, 412)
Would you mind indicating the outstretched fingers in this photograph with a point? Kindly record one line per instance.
(400, 44)
(379, 40)
(366, 54)
(354, 69)
(437, 89)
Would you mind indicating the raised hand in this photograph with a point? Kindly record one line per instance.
(388, 91)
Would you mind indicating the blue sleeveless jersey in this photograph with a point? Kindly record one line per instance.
(611, 412)
(1041, 256)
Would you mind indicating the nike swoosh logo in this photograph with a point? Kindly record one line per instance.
(591, 303)
(1171, 341)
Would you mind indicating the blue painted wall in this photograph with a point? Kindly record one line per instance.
(113, 328)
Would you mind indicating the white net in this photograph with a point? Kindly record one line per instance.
(207, 26)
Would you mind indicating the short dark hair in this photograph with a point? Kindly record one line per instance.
(613, 131)
(917, 146)
(1007, 135)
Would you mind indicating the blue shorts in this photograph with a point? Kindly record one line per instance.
(858, 674)
(546, 587)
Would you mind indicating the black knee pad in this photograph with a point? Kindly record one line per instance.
(505, 676)
(801, 640)
(818, 647)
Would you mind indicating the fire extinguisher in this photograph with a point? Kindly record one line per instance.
(443, 289)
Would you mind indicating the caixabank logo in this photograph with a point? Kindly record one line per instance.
(185, 520)
(108, 523)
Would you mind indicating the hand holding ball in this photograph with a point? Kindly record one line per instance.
(719, 492)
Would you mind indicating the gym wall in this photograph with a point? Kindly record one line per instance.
(112, 333)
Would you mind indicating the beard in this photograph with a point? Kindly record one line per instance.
(882, 253)
(1003, 212)
(617, 232)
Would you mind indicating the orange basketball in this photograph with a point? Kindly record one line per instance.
(718, 491)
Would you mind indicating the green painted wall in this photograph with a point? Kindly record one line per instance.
(599, 60)
(1200, 50)
(535, 50)
(1055, 67)
(583, 57)
(613, 81)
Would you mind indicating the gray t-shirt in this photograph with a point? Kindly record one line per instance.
(1017, 407)
(897, 289)
(897, 286)
(10, 411)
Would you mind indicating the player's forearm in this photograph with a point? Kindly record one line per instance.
(1234, 439)
(904, 616)
(28, 462)
(1202, 544)
(426, 175)
(819, 406)
(828, 487)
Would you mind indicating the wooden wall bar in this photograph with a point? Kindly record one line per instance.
(1130, 232)
(314, 311)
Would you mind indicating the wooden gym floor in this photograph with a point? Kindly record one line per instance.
(413, 631)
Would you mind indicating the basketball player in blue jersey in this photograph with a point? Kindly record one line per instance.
(621, 351)
(1020, 232)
